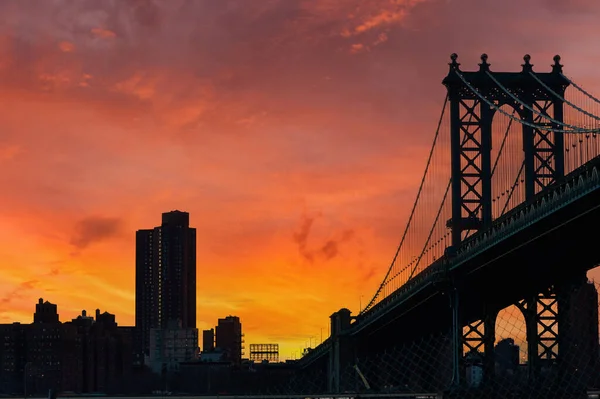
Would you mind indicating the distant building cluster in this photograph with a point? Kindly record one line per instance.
(95, 355)
(582, 314)
(82, 355)
(226, 345)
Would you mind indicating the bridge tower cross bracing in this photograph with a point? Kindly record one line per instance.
(471, 131)
(471, 191)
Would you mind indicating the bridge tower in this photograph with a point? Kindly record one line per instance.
(471, 120)
(471, 135)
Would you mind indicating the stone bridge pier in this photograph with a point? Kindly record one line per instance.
(342, 351)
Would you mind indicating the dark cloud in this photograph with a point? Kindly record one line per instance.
(331, 248)
(301, 237)
(327, 251)
(147, 13)
(94, 229)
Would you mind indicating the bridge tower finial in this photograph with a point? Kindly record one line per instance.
(527, 66)
(557, 67)
(484, 66)
(454, 65)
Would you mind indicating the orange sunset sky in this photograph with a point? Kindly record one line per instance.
(294, 132)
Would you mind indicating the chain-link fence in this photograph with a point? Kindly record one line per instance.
(543, 346)
(546, 345)
(307, 382)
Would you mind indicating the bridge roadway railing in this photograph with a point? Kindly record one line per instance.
(315, 353)
(434, 272)
(571, 187)
(431, 274)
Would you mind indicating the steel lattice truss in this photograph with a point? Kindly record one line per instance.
(471, 174)
(545, 149)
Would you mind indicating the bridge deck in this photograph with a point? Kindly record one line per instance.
(546, 226)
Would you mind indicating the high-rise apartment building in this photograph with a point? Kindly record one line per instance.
(165, 276)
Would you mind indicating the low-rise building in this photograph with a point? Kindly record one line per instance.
(171, 346)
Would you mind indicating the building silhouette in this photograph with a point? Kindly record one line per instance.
(229, 338)
(507, 356)
(45, 312)
(171, 346)
(474, 368)
(208, 340)
(103, 353)
(84, 355)
(165, 288)
(50, 351)
(580, 341)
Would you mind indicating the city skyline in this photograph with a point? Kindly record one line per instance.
(295, 146)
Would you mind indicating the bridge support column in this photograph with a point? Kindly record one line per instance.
(541, 324)
(578, 345)
(477, 338)
(341, 357)
(457, 346)
(544, 150)
(562, 330)
(470, 158)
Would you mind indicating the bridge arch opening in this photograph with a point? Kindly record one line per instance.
(507, 158)
(510, 348)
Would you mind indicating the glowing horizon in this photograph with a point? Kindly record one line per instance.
(294, 132)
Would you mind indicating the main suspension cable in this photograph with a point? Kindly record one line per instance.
(437, 216)
(555, 94)
(581, 89)
(516, 182)
(531, 109)
(526, 123)
(502, 144)
(412, 212)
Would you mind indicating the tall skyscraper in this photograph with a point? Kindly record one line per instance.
(165, 281)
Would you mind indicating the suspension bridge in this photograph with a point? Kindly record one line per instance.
(504, 217)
